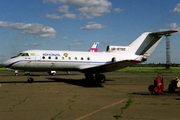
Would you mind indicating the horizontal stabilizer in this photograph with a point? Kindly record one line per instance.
(164, 32)
(147, 42)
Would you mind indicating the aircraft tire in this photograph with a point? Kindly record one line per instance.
(30, 80)
(171, 88)
(151, 88)
(101, 78)
(16, 74)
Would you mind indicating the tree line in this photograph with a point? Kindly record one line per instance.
(147, 65)
(156, 65)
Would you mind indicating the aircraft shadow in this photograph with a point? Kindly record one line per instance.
(15, 82)
(82, 82)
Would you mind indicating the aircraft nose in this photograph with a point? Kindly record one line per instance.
(6, 63)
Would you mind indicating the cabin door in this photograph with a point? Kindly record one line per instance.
(38, 60)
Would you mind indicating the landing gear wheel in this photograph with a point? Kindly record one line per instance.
(171, 88)
(151, 88)
(16, 74)
(100, 78)
(30, 80)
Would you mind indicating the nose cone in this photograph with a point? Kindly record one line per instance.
(6, 63)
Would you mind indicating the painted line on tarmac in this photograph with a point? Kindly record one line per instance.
(100, 109)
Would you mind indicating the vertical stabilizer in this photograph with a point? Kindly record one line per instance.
(147, 42)
(94, 47)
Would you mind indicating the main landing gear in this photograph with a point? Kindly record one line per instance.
(100, 78)
(29, 79)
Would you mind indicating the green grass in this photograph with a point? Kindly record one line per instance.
(150, 69)
(142, 69)
(2, 69)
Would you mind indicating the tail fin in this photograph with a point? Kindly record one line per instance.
(94, 47)
(147, 42)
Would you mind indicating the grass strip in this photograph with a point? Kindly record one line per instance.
(150, 69)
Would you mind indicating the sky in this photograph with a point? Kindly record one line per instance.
(75, 25)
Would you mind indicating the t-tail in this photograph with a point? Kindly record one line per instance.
(94, 47)
(144, 45)
(147, 42)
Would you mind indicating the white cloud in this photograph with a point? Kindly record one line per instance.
(117, 10)
(91, 22)
(64, 9)
(68, 15)
(105, 42)
(18, 38)
(53, 1)
(75, 41)
(54, 16)
(176, 9)
(26, 44)
(64, 38)
(76, 44)
(82, 3)
(31, 44)
(87, 8)
(38, 30)
(91, 12)
(172, 26)
(93, 26)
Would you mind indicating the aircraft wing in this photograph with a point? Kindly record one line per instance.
(108, 67)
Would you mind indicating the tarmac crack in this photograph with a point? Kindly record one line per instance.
(69, 107)
(57, 115)
(16, 104)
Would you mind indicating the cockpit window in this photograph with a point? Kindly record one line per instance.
(27, 54)
(17, 55)
(21, 54)
(24, 54)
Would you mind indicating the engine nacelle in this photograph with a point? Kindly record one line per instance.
(144, 58)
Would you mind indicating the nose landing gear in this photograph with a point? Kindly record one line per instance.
(29, 79)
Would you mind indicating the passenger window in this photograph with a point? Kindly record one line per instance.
(69, 58)
(88, 58)
(43, 57)
(49, 57)
(56, 58)
(75, 58)
(81, 58)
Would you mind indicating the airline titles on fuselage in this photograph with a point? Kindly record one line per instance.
(51, 54)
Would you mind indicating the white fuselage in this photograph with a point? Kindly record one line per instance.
(46, 60)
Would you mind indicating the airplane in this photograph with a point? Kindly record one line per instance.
(94, 48)
(92, 64)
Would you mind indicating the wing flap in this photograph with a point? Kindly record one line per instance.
(110, 66)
